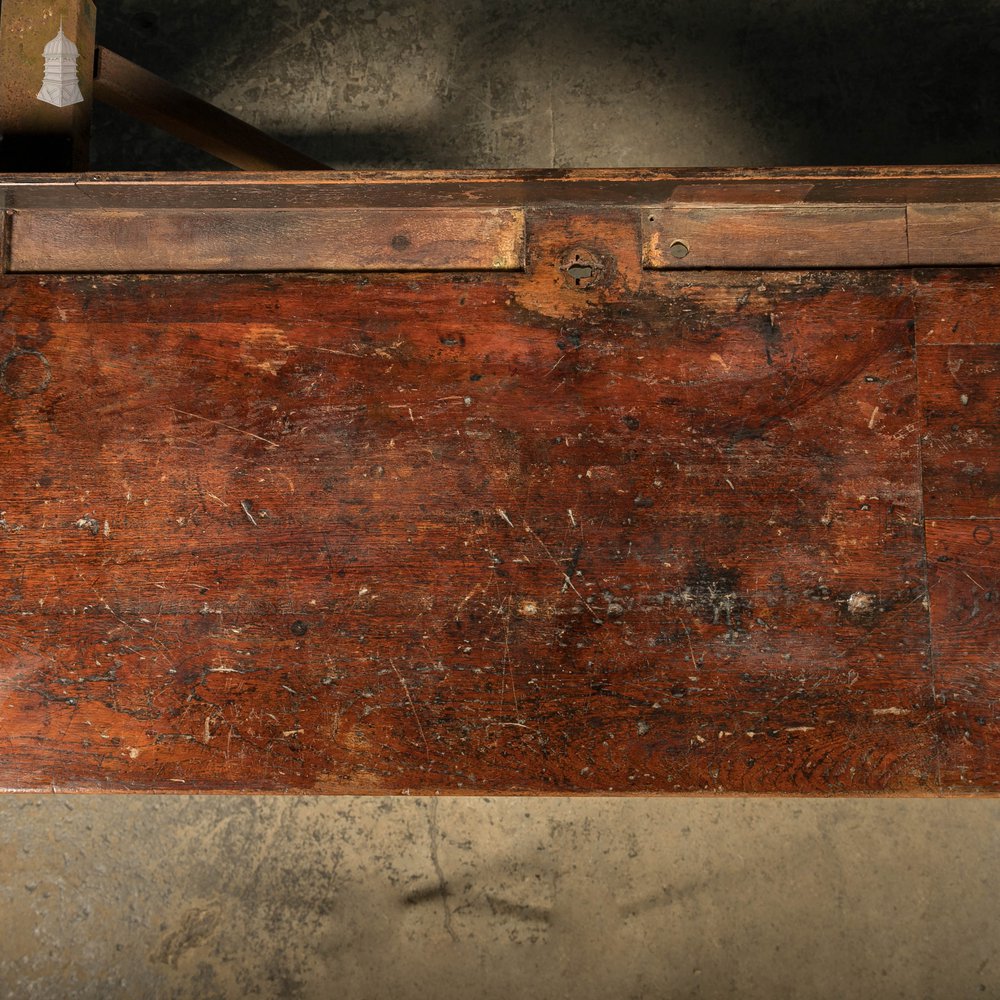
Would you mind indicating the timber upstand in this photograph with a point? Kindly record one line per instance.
(630, 482)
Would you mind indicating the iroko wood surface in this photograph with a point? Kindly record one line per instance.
(387, 239)
(692, 237)
(545, 529)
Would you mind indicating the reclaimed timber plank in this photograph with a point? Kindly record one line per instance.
(677, 237)
(489, 532)
(498, 188)
(964, 569)
(959, 396)
(698, 236)
(275, 240)
(980, 184)
(954, 234)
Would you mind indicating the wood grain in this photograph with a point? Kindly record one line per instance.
(873, 186)
(959, 393)
(954, 234)
(275, 240)
(957, 306)
(501, 530)
(964, 566)
(699, 236)
(478, 533)
(457, 238)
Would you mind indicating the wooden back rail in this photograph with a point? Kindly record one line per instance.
(573, 482)
(691, 237)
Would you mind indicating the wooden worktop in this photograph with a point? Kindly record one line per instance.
(570, 482)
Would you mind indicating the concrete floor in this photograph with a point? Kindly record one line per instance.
(412, 899)
(220, 897)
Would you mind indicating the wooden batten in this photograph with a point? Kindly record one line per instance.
(764, 236)
(5, 218)
(868, 186)
(954, 234)
(674, 237)
(268, 240)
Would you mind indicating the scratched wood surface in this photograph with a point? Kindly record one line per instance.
(959, 372)
(964, 566)
(957, 306)
(960, 396)
(543, 530)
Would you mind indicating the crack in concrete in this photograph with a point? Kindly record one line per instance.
(432, 826)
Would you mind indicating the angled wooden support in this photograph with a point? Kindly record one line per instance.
(46, 74)
(148, 97)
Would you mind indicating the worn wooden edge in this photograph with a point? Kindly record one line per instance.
(5, 228)
(247, 240)
(954, 234)
(683, 237)
(691, 236)
(362, 791)
(833, 185)
(965, 518)
(964, 572)
(460, 237)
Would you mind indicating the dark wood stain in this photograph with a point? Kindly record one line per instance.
(490, 532)
(960, 400)
(964, 565)
(957, 305)
(446, 188)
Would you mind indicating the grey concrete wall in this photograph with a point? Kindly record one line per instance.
(576, 82)
(226, 897)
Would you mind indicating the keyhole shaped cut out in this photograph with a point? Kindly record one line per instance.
(581, 268)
